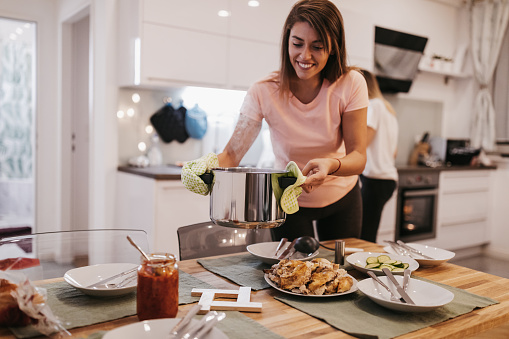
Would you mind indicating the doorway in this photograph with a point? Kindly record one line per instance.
(76, 117)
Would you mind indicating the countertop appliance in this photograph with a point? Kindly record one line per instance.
(417, 205)
(453, 152)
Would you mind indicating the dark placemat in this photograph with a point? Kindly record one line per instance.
(247, 270)
(358, 316)
(76, 309)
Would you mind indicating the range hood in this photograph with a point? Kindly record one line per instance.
(397, 57)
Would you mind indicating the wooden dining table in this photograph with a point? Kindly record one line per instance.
(292, 323)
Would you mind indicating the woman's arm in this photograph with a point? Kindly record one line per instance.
(243, 137)
(354, 129)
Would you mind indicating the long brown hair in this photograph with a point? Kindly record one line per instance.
(325, 18)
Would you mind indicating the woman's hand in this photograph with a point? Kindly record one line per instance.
(316, 171)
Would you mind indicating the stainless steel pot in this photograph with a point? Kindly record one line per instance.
(243, 197)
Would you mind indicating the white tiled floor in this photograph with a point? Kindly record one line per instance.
(485, 264)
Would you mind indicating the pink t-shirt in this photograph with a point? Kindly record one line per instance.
(300, 132)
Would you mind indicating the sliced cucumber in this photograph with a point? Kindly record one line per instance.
(405, 265)
(383, 258)
(391, 262)
(390, 267)
(371, 266)
(372, 260)
(397, 263)
(398, 269)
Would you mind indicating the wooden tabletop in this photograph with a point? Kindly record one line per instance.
(291, 323)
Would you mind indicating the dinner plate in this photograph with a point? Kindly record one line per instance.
(85, 276)
(427, 296)
(440, 256)
(351, 290)
(358, 261)
(156, 329)
(265, 252)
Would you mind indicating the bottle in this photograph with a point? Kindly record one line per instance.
(158, 284)
(154, 154)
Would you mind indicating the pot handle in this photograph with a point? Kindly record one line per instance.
(207, 178)
(284, 182)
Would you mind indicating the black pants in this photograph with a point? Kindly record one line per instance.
(341, 219)
(375, 193)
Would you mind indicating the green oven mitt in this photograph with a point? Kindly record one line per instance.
(288, 200)
(192, 170)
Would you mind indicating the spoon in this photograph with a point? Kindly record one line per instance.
(307, 244)
(138, 248)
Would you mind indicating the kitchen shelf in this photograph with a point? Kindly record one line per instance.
(447, 75)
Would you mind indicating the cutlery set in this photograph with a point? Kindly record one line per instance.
(403, 249)
(185, 330)
(404, 297)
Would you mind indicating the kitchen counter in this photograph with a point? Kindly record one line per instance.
(172, 172)
(408, 168)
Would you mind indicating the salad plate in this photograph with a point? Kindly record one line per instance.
(361, 260)
(439, 255)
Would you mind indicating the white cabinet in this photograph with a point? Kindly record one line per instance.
(174, 42)
(159, 207)
(464, 209)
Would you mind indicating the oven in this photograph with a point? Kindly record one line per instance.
(417, 202)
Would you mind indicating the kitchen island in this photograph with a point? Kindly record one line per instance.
(289, 322)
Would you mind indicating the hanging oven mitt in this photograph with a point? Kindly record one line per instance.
(192, 170)
(288, 200)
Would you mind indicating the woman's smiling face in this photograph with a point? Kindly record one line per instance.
(306, 51)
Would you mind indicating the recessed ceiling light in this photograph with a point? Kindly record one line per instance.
(253, 3)
(149, 129)
(223, 13)
(142, 146)
(120, 114)
(136, 98)
(130, 112)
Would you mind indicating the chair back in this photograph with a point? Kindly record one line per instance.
(51, 254)
(207, 239)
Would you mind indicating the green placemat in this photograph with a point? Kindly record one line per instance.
(236, 326)
(358, 316)
(247, 270)
(76, 309)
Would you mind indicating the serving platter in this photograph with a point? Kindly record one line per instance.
(156, 329)
(82, 277)
(351, 290)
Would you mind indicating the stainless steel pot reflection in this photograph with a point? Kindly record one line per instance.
(243, 197)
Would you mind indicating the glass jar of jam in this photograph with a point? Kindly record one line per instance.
(158, 285)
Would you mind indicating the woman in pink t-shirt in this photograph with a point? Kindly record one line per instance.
(315, 107)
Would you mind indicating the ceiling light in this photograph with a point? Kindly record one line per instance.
(120, 114)
(130, 112)
(223, 13)
(136, 98)
(149, 129)
(142, 146)
(253, 3)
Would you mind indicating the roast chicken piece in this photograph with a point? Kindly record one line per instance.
(316, 277)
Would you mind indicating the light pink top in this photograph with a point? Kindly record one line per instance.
(300, 132)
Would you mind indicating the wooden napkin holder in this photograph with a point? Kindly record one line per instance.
(243, 302)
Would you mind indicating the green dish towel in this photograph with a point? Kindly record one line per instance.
(289, 202)
(192, 170)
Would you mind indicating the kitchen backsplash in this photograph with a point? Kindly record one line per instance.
(136, 106)
(222, 107)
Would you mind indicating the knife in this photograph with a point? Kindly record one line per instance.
(100, 282)
(288, 249)
(281, 243)
(406, 278)
(400, 290)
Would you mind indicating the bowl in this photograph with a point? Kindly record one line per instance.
(440, 256)
(265, 252)
(157, 328)
(427, 296)
(358, 261)
(82, 277)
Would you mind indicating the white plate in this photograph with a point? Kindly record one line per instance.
(351, 290)
(85, 276)
(440, 256)
(426, 296)
(156, 329)
(358, 261)
(265, 252)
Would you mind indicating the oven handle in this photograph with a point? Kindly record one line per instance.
(418, 193)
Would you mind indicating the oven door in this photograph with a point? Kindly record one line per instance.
(417, 209)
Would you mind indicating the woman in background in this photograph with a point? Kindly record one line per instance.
(379, 178)
(315, 107)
